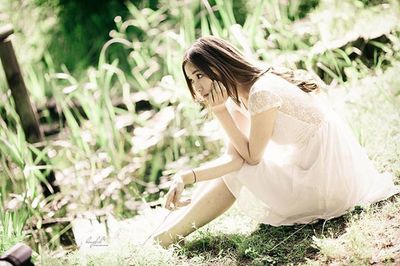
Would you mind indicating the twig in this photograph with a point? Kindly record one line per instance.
(287, 238)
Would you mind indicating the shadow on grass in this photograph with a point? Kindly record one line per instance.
(268, 245)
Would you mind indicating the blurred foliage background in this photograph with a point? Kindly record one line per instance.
(106, 79)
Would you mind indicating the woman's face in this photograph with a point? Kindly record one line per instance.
(201, 83)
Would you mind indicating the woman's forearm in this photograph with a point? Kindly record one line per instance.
(238, 138)
(213, 169)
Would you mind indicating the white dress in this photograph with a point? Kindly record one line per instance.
(312, 168)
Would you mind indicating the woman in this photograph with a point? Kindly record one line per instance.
(289, 158)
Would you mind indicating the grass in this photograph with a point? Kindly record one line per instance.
(370, 237)
(117, 159)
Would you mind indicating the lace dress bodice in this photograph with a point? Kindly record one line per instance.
(300, 114)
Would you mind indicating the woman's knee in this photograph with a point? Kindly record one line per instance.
(223, 191)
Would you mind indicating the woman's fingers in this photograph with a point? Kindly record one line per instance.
(169, 199)
(224, 92)
(210, 98)
(213, 96)
(177, 195)
(183, 203)
(173, 201)
(216, 91)
(218, 88)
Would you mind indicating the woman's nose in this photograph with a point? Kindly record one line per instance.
(198, 88)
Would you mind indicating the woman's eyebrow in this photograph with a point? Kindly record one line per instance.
(195, 71)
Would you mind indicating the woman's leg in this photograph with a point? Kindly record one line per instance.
(198, 190)
(208, 203)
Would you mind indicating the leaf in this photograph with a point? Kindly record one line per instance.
(11, 151)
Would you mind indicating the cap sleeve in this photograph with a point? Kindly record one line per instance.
(261, 100)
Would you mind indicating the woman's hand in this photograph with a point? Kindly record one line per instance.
(218, 96)
(173, 197)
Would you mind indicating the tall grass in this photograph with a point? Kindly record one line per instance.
(19, 179)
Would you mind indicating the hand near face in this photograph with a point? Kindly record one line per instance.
(218, 95)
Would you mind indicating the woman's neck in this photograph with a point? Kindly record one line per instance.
(243, 92)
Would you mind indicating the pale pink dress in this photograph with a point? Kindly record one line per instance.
(313, 166)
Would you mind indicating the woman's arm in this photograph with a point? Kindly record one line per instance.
(237, 137)
(241, 121)
(250, 148)
(227, 163)
(223, 165)
(231, 161)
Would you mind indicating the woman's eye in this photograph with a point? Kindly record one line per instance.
(199, 76)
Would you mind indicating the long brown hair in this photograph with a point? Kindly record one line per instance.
(210, 52)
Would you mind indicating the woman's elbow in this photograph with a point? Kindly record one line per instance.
(236, 163)
(253, 161)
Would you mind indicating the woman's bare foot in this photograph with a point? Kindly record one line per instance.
(165, 239)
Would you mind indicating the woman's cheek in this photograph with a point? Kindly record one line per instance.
(208, 86)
